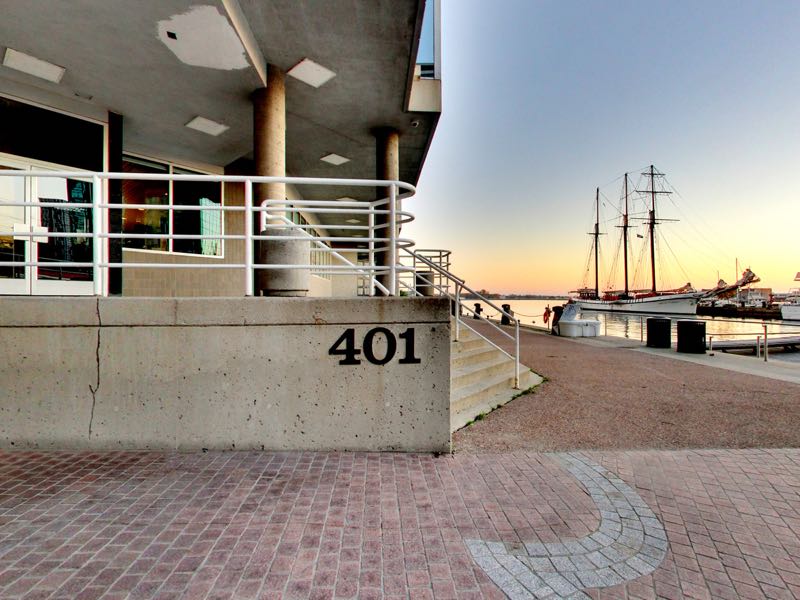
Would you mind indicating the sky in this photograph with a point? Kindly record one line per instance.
(544, 101)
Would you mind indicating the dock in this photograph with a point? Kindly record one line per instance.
(739, 312)
(791, 343)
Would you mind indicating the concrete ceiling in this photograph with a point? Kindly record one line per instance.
(112, 52)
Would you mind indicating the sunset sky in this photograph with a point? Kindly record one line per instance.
(546, 100)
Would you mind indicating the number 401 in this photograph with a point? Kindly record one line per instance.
(346, 346)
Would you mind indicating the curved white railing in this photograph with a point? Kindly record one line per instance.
(378, 238)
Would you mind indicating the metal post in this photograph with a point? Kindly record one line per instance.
(766, 346)
(392, 240)
(248, 239)
(516, 354)
(371, 249)
(758, 346)
(711, 345)
(97, 241)
(458, 310)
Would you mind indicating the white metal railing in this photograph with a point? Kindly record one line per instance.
(439, 279)
(375, 238)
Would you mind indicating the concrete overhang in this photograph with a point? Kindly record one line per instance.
(117, 53)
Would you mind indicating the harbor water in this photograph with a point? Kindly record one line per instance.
(630, 325)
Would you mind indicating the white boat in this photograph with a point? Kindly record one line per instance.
(790, 311)
(682, 301)
(672, 304)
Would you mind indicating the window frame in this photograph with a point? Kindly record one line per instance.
(185, 170)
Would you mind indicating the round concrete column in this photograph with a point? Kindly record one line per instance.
(269, 149)
(387, 166)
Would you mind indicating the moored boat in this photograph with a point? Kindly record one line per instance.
(682, 301)
(673, 304)
(790, 311)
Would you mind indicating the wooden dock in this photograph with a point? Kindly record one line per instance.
(738, 312)
(789, 343)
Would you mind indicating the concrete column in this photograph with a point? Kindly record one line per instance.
(387, 166)
(269, 149)
(269, 134)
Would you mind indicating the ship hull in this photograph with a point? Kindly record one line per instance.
(790, 312)
(674, 304)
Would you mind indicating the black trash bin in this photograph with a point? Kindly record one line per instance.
(659, 332)
(692, 336)
(504, 320)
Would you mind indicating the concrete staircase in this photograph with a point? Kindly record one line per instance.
(481, 378)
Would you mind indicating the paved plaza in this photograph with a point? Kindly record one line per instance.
(724, 524)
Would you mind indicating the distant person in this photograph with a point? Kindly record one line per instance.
(546, 315)
(557, 311)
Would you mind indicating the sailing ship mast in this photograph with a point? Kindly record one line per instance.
(652, 226)
(625, 235)
(596, 235)
(652, 222)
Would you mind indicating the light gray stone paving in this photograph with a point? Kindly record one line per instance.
(630, 542)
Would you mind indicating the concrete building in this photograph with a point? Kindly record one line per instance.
(153, 153)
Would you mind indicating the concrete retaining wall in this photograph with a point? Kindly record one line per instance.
(183, 373)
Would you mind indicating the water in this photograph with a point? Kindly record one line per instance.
(630, 326)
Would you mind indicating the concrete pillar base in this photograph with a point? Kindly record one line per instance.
(284, 282)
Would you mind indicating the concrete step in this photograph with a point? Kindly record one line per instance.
(464, 409)
(481, 371)
(470, 395)
(465, 344)
(477, 355)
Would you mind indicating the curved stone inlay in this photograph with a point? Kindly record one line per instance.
(629, 543)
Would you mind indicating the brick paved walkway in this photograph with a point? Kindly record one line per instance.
(331, 525)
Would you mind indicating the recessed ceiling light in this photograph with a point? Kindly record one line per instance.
(14, 59)
(206, 126)
(354, 221)
(334, 159)
(311, 73)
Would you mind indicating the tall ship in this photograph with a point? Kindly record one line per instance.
(680, 301)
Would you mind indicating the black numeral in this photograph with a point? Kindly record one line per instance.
(391, 346)
(408, 337)
(350, 351)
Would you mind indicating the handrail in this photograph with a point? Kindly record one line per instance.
(338, 256)
(382, 234)
(456, 297)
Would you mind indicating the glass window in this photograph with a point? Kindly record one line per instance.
(176, 194)
(144, 220)
(197, 222)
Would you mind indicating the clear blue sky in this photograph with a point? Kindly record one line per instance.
(546, 100)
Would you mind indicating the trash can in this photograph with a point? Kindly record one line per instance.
(659, 332)
(424, 282)
(504, 320)
(692, 336)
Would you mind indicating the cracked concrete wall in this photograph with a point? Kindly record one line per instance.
(243, 373)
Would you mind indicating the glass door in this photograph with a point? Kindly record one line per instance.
(51, 278)
(13, 279)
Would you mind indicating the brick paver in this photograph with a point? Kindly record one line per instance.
(355, 525)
